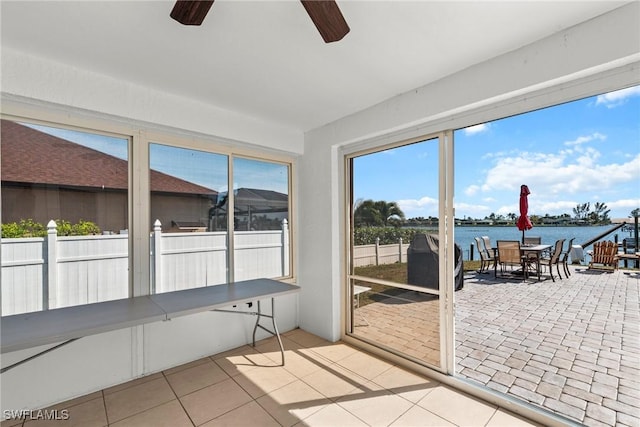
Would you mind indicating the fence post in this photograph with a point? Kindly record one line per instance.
(377, 251)
(157, 256)
(285, 248)
(471, 254)
(50, 285)
(400, 251)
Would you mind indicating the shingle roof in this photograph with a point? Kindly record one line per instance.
(253, 196)
(34, 157)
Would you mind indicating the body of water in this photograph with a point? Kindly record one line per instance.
(464, 235)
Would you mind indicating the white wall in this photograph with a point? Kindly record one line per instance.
(99, 361)
(42, 79)
(594, 57)
(73, 370)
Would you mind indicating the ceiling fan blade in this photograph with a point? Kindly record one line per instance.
(327, 18)
(189, 12)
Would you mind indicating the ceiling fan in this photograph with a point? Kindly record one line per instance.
(325, 14)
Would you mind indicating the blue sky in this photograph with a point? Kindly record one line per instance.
(583, 151)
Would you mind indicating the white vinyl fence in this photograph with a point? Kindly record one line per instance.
(53, 272)
(377, 254)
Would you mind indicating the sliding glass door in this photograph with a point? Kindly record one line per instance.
(398, 272)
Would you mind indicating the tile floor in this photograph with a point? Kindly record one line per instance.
(322, 384)
(571, 346)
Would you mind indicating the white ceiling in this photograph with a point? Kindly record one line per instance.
(267, 60)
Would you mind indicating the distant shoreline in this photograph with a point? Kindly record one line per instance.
(535, 225)
(513, 225)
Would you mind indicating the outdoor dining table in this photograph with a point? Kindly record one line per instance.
(536, 252)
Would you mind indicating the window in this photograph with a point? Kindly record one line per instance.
(193, 244)
(65, 216)
(261, 215)
(189, 239)
(67, 210)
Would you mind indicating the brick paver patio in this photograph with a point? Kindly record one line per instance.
(570, 346)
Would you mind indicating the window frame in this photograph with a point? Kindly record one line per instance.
(444, 139)
(81, 127)
(139, 137)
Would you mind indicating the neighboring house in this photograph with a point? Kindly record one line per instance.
(254, 210)
(45, 177)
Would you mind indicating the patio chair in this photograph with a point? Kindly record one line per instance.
(564, 258)
(553, 259)
(491, 252)
(487, 245)
(486, 259)
(604, 256)
(532, 240)
(509, 254)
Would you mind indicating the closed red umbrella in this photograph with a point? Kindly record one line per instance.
(523, 222)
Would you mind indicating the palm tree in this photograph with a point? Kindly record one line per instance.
(380, 213)
(366, 214)
(600, 213)
(581, 211)
(389, 212)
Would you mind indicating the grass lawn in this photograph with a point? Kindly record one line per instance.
(397, 273)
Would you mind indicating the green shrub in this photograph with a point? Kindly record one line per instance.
(30, 228)
(24, 228)
(85, 228)
(387, 235)
(63, 227)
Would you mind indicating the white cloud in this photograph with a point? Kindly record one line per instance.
(559, 173)
(472, 190)
(584, 139)
(471, 210)
(617, 98)
(507, 209)
(424, 206)
(624, 205)
(473, 130)
(557, 207)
